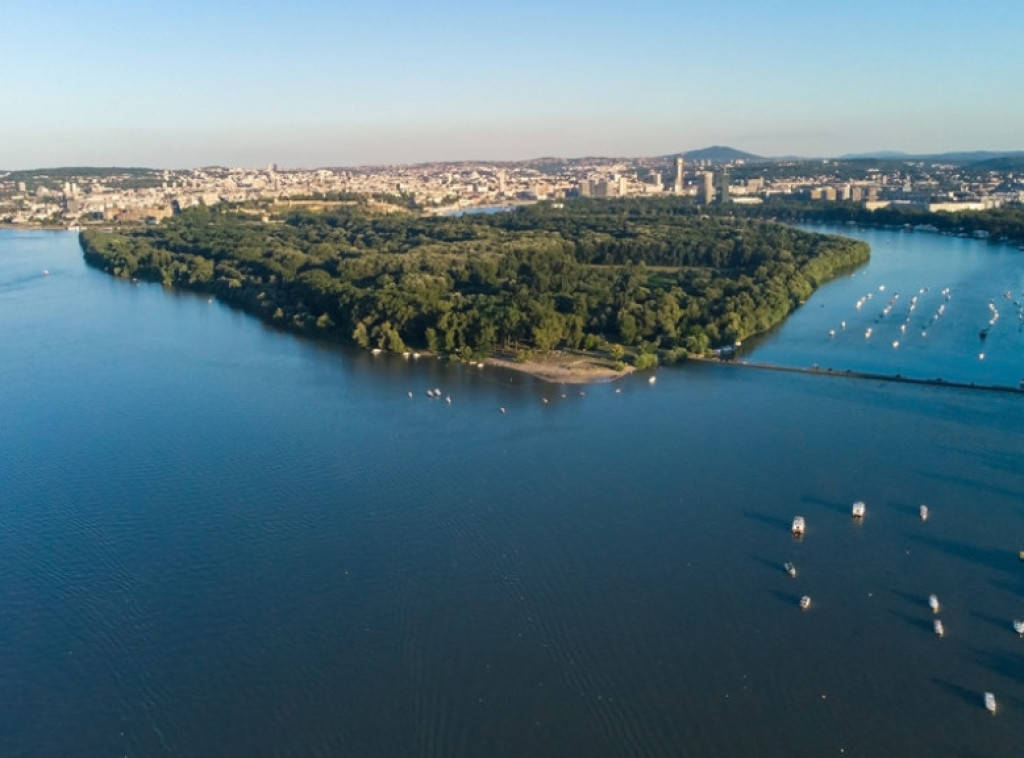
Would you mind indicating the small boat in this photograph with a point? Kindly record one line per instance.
(448, 399)
(924, 512)
(939, 629)
(933, 603)
(652, 380)
(46, 272)
(831, 332)
(858, 509)
(805, 602)
(791, 570)
(990, 702)
(1021, 555)
(798, 526)
(1018, 627)
(376, 351)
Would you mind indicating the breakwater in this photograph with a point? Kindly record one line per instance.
(869, 375)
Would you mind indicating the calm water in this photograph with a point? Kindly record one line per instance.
(927, 299)
(220, 540)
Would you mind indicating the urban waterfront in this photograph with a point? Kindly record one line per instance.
(219, 539)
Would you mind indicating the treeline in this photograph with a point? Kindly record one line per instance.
(1005, 223)
(653, 276)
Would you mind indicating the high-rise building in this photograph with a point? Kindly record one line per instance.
(679, 176)
(707, 187)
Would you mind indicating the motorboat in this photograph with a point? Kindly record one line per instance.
(933, 603)
(791, 570)
(1018, 627)
(924, 512)
(799, 526)
(805, 602)
(858, 509)
(939, 629)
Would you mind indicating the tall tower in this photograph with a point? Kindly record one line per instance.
(679, 176)
(707, 187)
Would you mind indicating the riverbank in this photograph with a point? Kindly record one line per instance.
(559, 367)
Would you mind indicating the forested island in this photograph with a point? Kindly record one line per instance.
(641, 281)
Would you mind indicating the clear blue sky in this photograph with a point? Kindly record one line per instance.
(317, 83)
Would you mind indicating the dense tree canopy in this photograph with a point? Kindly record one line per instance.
(655, 276)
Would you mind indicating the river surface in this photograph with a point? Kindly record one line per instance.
(217, 539)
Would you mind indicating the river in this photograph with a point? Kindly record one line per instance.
(218, 539)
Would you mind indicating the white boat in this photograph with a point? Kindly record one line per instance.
(652, 380)
(933, 603)
(939, 629)
(858, 509)
(1018, 627)
(46, 272)
(805, 602)
(990, 702)
(798, 526)
(924, 512)
(791, 570)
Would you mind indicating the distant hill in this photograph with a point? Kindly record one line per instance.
(720, 154)
(1011, 162)
(963, 157)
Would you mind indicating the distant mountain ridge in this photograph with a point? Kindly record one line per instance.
(964, 156)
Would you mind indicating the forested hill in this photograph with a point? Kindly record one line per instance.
(652, 275)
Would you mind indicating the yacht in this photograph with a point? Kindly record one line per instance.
(924, 512)
(939, 629)
(933, 603)
(791, 570)
(990, 702)
(798, 526)
(1018, 627)
(805, 602)
(858, 509)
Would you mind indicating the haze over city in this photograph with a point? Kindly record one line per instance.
(321, 84)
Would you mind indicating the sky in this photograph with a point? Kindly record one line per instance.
(340, 83)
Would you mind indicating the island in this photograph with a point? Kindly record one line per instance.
(609, 283)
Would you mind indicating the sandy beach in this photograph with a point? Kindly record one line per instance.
(562, 368)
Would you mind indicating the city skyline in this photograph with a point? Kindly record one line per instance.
(314, 84)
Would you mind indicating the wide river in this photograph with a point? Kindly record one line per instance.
(220, 540)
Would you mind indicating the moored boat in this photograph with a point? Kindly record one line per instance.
(939, 629)
(933, 603)
(799, 526)
(924, 512)
(790, 569)
(1018, 627)
(805, 602)
(858, 509)
(990, 702)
